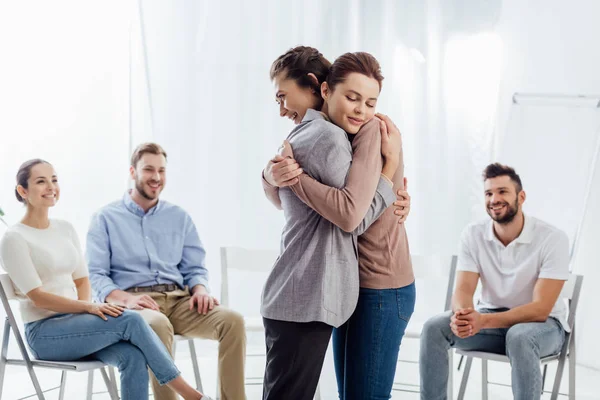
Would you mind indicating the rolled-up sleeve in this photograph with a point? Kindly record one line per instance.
(193, 260)
(98, 258)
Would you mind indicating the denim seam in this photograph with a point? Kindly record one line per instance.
(399, 301)
(374, 375)
(539, 332)
(73, 335)
(121, 360)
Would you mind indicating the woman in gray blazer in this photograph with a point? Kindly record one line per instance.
(314, 283)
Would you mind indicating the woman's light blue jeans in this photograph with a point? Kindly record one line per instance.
(126, 342)
(365, 348)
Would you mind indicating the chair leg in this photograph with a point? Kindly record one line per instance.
(484, 379)
(544, 377)
(558, 377)
(195, 365)
(36, 383)
(110, 385)
(90, 385)
(2, 369)
(460, 362)
(3, 355)
(22, 349)
(465, 379)
(451, 373)
(572, 356)
(63, 385)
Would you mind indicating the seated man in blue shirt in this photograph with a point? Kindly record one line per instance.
(146, 255)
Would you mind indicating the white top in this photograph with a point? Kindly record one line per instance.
(48, 258)
(509, 273)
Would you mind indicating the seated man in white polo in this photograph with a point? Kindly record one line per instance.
(523, 263)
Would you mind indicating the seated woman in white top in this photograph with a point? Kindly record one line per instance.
(43, 258)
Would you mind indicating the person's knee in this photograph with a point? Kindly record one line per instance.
(161, 325)
(233, 323)
(520, 341)
(132, 318)
(435, 326)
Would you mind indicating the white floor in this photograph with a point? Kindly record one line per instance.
(17, 382)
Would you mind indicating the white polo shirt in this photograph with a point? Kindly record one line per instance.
(509, 273)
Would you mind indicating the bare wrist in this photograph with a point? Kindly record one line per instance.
(485, 321)
(270, 183)
(86, 306)
(199, 288)
(389, 169)
(393, 160)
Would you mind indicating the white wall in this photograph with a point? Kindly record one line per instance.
(549, 48)
(213, 106)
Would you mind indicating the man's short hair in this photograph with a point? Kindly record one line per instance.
(496, 169)
(151, 148)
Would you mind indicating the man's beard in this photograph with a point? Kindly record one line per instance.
(508, 216)
(139, 186)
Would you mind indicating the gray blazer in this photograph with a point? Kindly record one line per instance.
(315, 277)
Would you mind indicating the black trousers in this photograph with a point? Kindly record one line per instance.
(295, 355)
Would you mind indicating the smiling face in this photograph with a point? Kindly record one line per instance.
(42, 189)
(352, 102)
(293, 99)
(502, 202)
(150, 175)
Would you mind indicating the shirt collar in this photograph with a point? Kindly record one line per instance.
(134, 207)
(313, 114)
(526, 235)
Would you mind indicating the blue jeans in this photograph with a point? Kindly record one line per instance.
(365, 348)
(126, 342)
(524, 344)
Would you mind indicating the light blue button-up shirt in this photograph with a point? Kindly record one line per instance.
(127, 247)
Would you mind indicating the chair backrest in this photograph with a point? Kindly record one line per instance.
(7, 293)
(571, 291)
(241, 259)
(8, 287)
(435, 267)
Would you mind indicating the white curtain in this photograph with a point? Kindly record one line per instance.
(64, 98)
(212, 105)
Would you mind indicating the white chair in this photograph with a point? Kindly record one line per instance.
(7, 293)
(254, 261)
(438, 273)
(571, 291)
(193, 356)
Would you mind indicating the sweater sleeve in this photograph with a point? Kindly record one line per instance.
(272, 193)
(365, 194)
